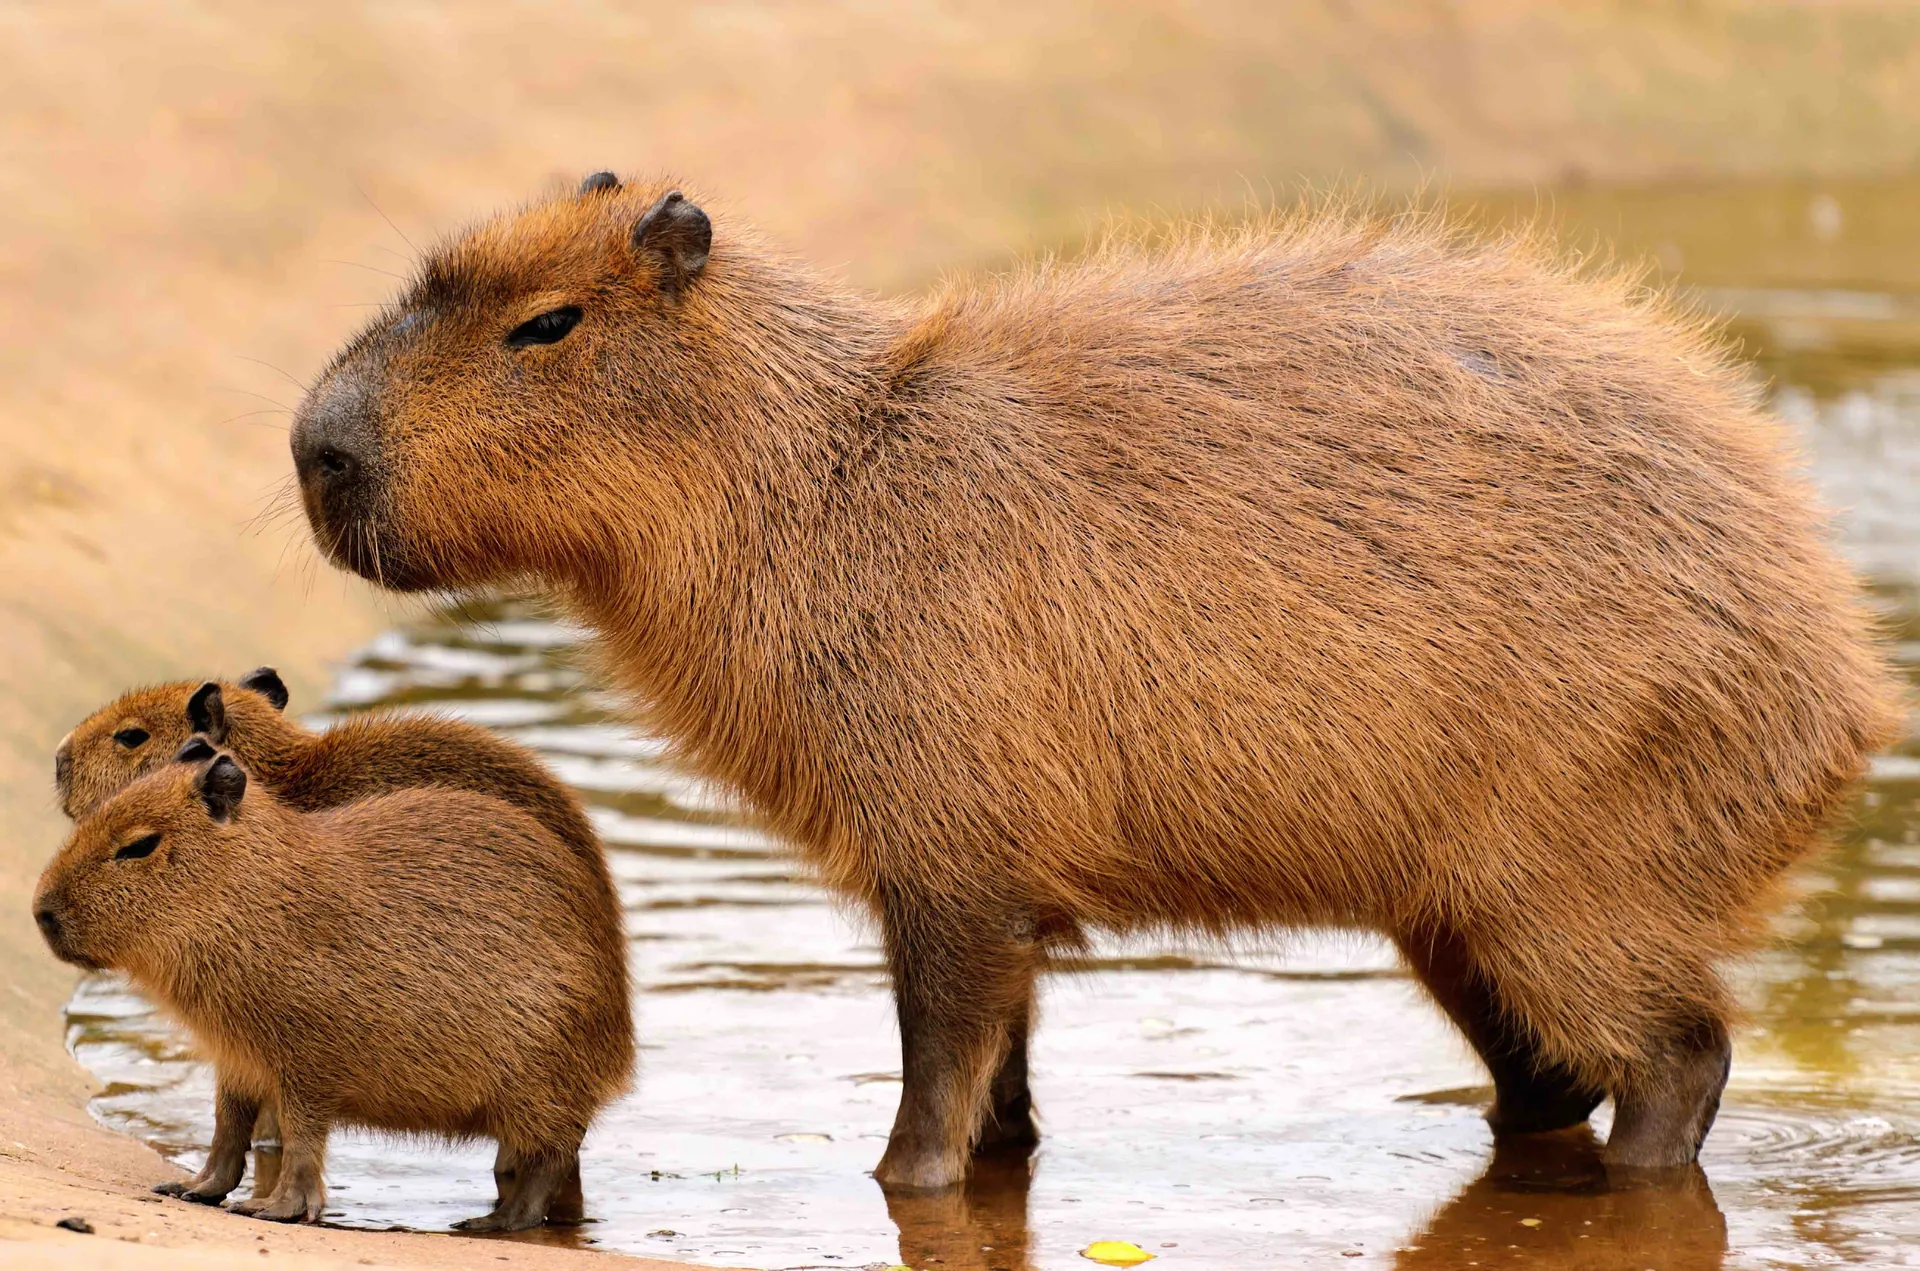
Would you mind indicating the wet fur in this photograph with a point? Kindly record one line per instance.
(426, 961)
(1331, 571)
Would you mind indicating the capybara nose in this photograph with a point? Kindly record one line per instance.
(333, 464)
(49, 923)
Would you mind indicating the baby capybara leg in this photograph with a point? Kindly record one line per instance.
(233, 1117)
(301, 1193)
(266, 1150)
(1664, 1107)
(1008, 1124)
(1531, 1093)
(958, 981)
(541, 1177)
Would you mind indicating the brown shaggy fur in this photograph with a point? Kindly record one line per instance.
(1332, 571)
(364, 754)
(427, 961)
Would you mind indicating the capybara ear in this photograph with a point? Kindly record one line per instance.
(207, 712)
(597, 182)
(193, 750)
(679, 234)
(63, 767)
(221, 786)
(266, 681)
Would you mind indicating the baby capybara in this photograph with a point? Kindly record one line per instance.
(428, 961)
(373, 753)
(1330, 571)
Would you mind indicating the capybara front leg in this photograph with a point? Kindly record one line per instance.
(1531, 1093)
(1663, 1110)
(233, 1116)
(1008, 1124)
(958, 981)
(301, 1193)
(541, 1180)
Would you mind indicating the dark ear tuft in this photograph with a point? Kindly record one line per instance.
(266, 681)
(207, 712)
(193, 750)
(597, 182)
(679, 234)
(221, 787)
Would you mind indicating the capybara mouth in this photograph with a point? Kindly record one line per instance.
(59, 939)
(363, 546)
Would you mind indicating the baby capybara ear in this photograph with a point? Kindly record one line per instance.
(207, 712)
(221, 787)
(597, 182)
(266, 681)
(194, 750)
(677, 234)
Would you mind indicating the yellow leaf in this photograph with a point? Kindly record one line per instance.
(1116, 1253)
(1529, 1222)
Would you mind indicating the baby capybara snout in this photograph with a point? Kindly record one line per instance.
(427, 961)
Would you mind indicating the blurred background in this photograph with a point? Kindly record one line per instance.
(199, 201)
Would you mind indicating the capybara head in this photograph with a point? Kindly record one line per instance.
(142, 730)
(124, 877)
(454, 440)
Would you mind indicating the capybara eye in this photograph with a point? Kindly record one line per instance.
(138, 848)
(545, 329)
(131, 737)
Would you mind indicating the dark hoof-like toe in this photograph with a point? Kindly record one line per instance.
(203, 1198)
(497, 1221)
(171, 1189)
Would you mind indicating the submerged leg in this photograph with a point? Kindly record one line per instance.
(541, 1177)
(233, 1117)
(1532, 1094)
(1663, 1109)
(1009, 1121)
(960, 982)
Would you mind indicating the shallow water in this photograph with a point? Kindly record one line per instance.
(1291, 1105)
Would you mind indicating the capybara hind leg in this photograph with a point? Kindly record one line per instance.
(1531, 1093)
(1663, 1109)
(541, 1177)
(958, 980)
(1008, 1124)
(266, 1150)
(506, 1177)
(301, 1193)
(569, 1205)
(233, 1115)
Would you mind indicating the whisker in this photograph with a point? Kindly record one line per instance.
(388, 219)
(271, 367)
(327, 260)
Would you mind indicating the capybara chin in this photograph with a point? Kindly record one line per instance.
(1330, 571)
(430, 961)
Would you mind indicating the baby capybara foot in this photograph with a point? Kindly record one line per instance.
(286, 1204)
(540, 1185)
(1660, 1121)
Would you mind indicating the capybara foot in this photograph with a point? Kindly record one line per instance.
(1660, 1122)
(904, 1167)
(542, 1184)
(290, 1206)
(196, 1190)
(1540, 1104)
(509, 1219)
(1008, 1128)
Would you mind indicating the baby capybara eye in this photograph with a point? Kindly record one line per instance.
(138, 848)
(131, 737)
(548, 328)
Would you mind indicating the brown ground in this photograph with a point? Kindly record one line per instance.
(178, 191)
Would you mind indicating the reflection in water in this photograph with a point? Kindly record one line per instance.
(1547, 1202)
(1289, 1105)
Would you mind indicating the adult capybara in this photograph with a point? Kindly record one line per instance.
(373, 753)
(1333, 571)
(429, 961)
